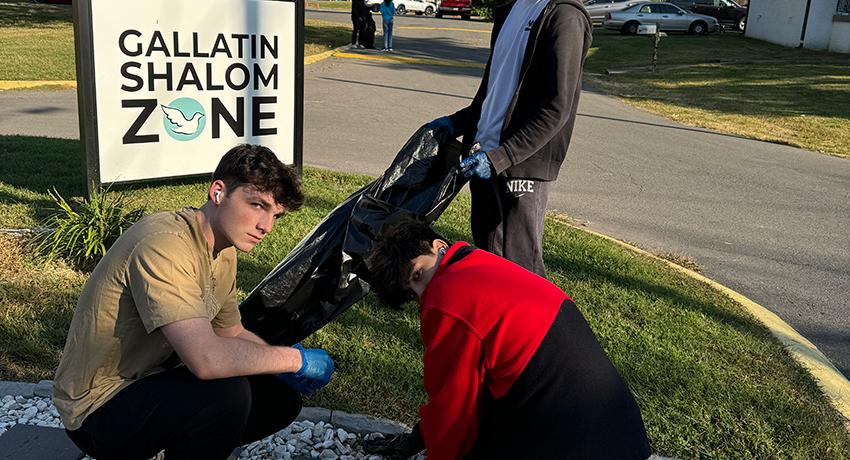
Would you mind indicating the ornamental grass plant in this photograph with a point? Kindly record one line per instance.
(81, 233)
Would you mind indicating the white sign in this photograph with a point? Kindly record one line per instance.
(177, 83)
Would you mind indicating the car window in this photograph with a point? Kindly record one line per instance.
(706, 2)
(645, 9)
(669, 9)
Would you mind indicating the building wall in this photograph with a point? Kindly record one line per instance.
(781, 22)
(776, 21)
(819, 31)
(840, 40)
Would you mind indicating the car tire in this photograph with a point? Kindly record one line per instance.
(741, 23)
(438, 14)
(401, 10)
(630, 28)
(466, 17)
(698, 28)
(429, 11)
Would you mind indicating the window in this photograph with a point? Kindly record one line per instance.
(645, 9)
(843, 8)
(668, 9)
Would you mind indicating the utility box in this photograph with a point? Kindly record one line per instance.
(647, 29)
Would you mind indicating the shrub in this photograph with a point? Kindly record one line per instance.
(82, 233)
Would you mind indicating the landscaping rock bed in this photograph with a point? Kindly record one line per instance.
(301, 440)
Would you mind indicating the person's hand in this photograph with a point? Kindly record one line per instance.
(442, 123)
(396, 447)
(315, 372)
(476, 165)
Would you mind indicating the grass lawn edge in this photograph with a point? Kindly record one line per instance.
(833, 384)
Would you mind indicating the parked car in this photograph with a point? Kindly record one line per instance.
(725, 11)
(463, 8)
(419, 7)
(598, 8)
(668, 18)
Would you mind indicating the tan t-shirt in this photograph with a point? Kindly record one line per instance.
(161, 270)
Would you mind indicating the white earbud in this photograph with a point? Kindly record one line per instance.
(217, 197)
(442, 251)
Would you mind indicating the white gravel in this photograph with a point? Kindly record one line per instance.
(300, 440)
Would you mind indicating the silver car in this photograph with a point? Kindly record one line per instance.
(668, 18)
(597, 9)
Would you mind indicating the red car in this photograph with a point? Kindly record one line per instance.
(461, 7)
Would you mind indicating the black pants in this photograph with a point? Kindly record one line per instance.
(507, 219)
(357, 24)
(568, 403)
(187, 417)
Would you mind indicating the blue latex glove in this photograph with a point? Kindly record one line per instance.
(477, 165)
(442, 122)
(316, 370)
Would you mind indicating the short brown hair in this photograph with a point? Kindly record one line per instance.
(390, 260)
(258, 167)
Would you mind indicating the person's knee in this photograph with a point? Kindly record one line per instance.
(233, 400)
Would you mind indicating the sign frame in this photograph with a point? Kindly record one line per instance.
(87, 97)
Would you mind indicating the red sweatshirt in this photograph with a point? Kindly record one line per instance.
(482, 319)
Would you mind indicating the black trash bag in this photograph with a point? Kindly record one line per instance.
(325, 274)
(367, 34)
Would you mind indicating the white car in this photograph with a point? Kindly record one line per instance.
(419, 7)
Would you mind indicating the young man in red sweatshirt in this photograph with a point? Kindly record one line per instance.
(512, 369)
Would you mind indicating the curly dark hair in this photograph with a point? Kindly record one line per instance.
(390, 260)
(257, 166)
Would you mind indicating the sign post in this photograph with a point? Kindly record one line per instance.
(166, 87)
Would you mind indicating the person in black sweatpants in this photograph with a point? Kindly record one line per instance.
(359, 10)
(215, 414)
(520, 122)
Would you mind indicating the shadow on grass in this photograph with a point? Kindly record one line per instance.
(24, 13)
(783, 90)
(596, 274)
(38, 164)
(728, 73)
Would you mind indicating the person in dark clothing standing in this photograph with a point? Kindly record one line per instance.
(520, 123)
(511, 368)
(359, 11)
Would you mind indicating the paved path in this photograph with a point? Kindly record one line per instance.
(769, 221)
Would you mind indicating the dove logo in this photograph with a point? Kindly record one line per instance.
(184, 118)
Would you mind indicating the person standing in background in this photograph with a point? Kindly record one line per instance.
(358, 20)
(388, 14)
(522, 120)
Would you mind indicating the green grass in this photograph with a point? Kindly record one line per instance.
(330, 5)
(710, 380)
(733, 84)
(37, 40)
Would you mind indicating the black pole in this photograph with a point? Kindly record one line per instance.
(805, 24)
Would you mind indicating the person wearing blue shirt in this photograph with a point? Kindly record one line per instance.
(387, 13)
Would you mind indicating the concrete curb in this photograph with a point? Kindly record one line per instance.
(832, 382)
(409, 60)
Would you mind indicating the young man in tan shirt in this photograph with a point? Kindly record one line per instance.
(165, 295)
